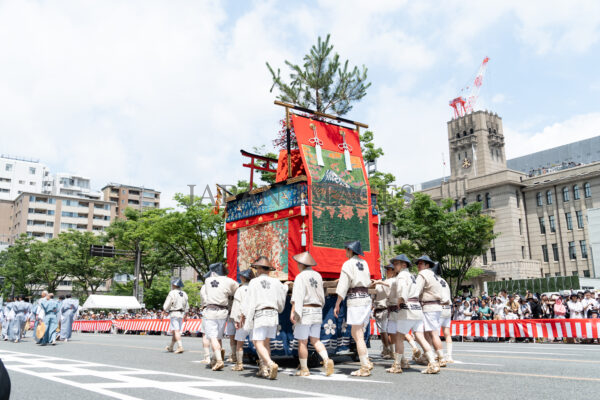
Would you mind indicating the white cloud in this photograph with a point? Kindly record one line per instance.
(164, 94)
(519, 143)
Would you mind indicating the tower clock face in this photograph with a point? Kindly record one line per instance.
(466, 163)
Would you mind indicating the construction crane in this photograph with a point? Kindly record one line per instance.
(462, 105)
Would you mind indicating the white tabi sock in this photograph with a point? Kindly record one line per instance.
(430, 356)
(364, 360)
(440, 354)
(449, 349)
(324, 355)
(303, 363)
(218, 356)
(179, 344)
(206, 353)
(412, 343)
(397, 358)
(240, 356)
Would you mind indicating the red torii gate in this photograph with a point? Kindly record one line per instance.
(267, 166)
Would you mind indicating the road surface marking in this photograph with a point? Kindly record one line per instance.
(519, 352)
(573, 378)
(123, 377)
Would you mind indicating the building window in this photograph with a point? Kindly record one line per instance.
(458, 156)
(579, 216)
(555, 251)
(576, 192)
(485, 258)
(479, 198)
(8, 167)
(583, 246)
(565, 191)
(569, 221)
(493, 252)
(456, 204)
(572, 251)
(586, 273)
(520, 227)
(538, 198)
(542, 226)
(464, 202)
(549, 197)
(49, 223)
(587, 190)
(523, 252)
(518, 199)
(32, 170)
(545, 252)
(488, 201)
(575, 273)
(552, 223)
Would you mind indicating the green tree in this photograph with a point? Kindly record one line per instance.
(139, 231)
(453, 238)
(196, 234)
(89, 272)
(19, 264)
(322, 83)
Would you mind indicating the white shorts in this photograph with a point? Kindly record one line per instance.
(302, 332)
(431, 321)
(230, 328)
(241, 335)
(176, 324)
(358, 315)
(445, 323)
(392, 326)
(213, 328)
(264, 332)
(404, 326)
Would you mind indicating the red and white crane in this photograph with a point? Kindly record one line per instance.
(464, 105)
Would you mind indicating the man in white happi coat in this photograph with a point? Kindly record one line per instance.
(308, 299)
(216, 293)
(239, 299)
(446, 315)
(410, 316)
(392, 305)
(354, 283)
(265, 300)
(380, 313)
(431, 301)
(177, 306)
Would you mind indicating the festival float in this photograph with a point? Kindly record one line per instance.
(321, 200)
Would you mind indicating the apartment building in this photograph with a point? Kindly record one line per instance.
(44, 216)
(136, 197)
(63, 184)
(19, 175)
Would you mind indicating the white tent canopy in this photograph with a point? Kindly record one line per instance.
(111, 302)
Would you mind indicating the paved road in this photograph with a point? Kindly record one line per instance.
(131, 367)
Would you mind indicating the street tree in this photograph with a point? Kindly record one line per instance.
(139, 232)
(89, 272)
(195, 233)
(453, 238)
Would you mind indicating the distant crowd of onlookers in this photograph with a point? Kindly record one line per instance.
(584, 304)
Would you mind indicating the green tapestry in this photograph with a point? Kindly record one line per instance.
(340, 208)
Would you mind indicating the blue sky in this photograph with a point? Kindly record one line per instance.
(166, 93)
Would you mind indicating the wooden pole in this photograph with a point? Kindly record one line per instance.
(289, 142)
(320, 114)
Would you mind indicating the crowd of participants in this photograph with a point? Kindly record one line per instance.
(504, 306)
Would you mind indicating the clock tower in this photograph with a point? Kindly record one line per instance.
(476, 144)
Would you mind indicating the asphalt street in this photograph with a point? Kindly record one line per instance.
(103, 366)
